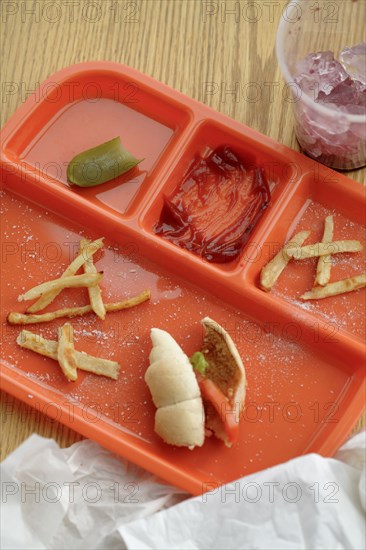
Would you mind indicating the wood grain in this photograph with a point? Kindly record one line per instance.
(217, 52)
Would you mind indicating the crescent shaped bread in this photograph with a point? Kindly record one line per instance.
(163, 343)
(181, 424)
(179, 419)
(171, 380)
(159, 352)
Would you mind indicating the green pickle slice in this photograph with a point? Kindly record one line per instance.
(199, 362)
(100, 164)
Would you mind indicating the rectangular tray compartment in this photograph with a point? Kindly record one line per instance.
(306, 209)
(290, 385)
(81, 111)
(206, 137)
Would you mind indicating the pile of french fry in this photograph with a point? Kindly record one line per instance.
(67, 356)
(63, 349)
(294, 250)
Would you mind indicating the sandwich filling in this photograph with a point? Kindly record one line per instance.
(221, 378)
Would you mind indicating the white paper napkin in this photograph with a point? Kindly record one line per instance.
(85, 497)
(75, 497)
(310, 502)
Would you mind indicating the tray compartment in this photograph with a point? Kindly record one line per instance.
(208, 135)
(92, 107)
(297, 393)
(306, 209)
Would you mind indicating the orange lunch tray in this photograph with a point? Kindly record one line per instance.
(304, 360)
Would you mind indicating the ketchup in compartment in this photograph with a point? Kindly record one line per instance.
(214, 210)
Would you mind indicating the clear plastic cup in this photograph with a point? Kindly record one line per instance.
(328, 133)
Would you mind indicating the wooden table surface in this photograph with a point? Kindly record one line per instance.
(212, 51)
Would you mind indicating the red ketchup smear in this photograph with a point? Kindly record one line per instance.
(216, 207)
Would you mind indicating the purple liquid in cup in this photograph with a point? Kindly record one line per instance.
(333, 138)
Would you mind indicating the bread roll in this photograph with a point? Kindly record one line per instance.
(171, 380)
(159, 352)
(179, 418)
(163, 343)
(181, 424)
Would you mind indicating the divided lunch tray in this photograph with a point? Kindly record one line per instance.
(304, 360)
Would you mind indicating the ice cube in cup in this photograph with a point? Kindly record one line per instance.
(324, 66)
(354, 61)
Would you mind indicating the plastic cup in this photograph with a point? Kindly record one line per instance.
(329, 134)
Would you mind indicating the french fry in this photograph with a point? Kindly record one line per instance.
(129, 302)
(66, 352)
(36, 343)
(15, 318)
(338, 287)
(85, 362)
(324, 264)
(97, 365)
(75, 265)
(274, 268)
(95, 293)
(322, 249)
(86, 279)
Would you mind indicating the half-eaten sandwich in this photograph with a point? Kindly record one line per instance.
(200, 396)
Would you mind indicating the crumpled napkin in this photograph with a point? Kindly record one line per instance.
(74, 497)
(309, 502)
(86, 497)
